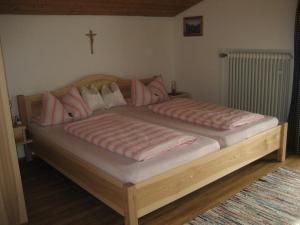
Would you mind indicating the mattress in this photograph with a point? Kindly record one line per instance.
(120, 167)
(225, 138)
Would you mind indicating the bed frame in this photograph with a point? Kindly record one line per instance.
(136, 200)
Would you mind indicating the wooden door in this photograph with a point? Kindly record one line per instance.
(12, 205)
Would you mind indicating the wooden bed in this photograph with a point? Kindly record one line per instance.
(136, 200)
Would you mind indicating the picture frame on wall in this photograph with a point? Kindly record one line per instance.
(193, 26)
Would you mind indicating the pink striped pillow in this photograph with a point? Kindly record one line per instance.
(157, 88)
(155, 92)
(75, 105)
(53, 112)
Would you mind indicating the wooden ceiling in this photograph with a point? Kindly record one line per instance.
(166, 8)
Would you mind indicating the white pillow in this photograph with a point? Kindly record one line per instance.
(92, 97)
(107, 96)
(112, 96)
(118, 97)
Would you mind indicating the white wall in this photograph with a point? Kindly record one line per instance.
(266, 24)
(48, 52)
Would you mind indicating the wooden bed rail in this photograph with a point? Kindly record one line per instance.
(24, 109)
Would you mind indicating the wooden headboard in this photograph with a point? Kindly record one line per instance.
(30, 106)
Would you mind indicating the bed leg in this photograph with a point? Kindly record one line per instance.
(130, 212)
(281, 154)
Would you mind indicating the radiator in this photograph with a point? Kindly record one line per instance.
(259, 81)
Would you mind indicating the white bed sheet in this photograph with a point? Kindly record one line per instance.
(122, 168)
(128, 170)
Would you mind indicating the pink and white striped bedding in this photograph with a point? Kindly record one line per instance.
(154, 92)
(53, 112)
(75, 105)
(127, 136)
(206, 114)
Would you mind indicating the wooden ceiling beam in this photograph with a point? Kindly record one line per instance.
(166, 8)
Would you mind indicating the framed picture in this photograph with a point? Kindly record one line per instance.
(193, 26)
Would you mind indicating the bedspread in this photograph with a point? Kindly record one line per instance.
(127, 136)
(206, 114)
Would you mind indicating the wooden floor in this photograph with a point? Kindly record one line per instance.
(52, 199)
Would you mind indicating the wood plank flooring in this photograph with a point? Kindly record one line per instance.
(52, 199)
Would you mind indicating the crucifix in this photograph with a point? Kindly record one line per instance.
(91, 35)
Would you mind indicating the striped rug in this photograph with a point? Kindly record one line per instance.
(274, 199)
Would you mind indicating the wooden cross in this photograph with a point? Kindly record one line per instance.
(91, 36)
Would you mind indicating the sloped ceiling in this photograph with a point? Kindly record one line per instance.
(166, 8)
